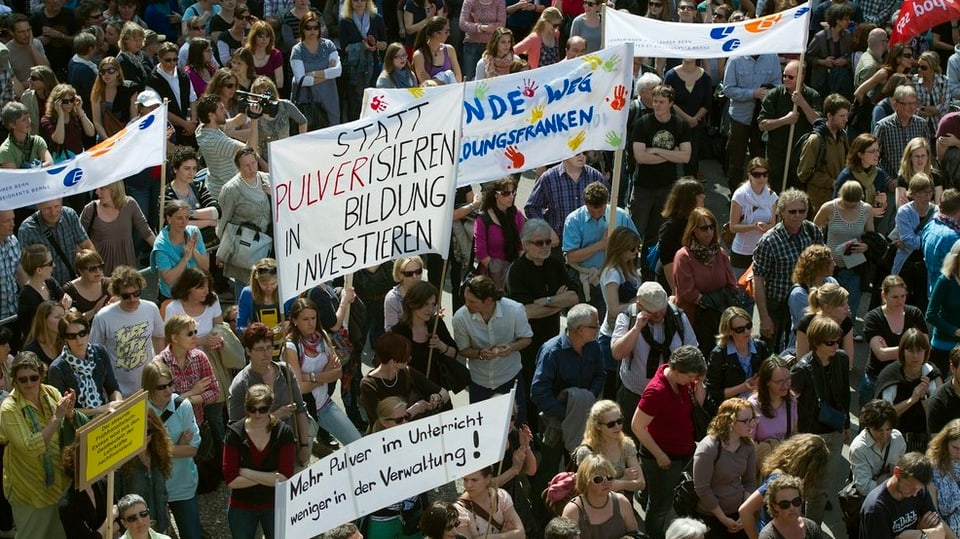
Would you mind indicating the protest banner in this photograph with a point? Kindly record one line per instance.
(918, 16)
(363, 193)
(521, 121)
(392, 465)
(111, 439)
(783, 32)
(139, 145)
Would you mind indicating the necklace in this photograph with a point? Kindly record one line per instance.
(390, 386)
(606, 502)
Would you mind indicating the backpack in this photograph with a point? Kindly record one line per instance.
(820, 128)
(673, 320)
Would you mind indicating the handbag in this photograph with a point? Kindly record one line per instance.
(828, 414)
(746, 281)
(111, 124)
(850, 498)
(232, 355)
(315, 113)
(685, 497)
(727, 235)
(208, 444)
(250, 246)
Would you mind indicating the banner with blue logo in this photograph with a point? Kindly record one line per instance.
(139, 145)
(784, 32)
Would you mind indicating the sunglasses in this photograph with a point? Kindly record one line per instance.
(759, 173)
(130, 295)
(161, 387)
(616, 422)
(258, 409)
(686, 8)
(789, 77)
(272, 270)
(108, 71)
(599, 479)
(191, 333)
(311, 27)
(923, 67)
(78, 335)
(230, 85)
(655, 4)
(542, 243)
(785, 504)
(397, 420)
(452, 525)
(907, 55)
(97, 267)
(746, 327)
(31, 378)
(130, 519)
(705, 228)
(797, 212)
(508, 193)
(411, 273)
(831, 343)
(47, 264)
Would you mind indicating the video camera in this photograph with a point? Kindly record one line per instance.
(268, 104)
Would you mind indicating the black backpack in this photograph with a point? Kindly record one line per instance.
(820, 128)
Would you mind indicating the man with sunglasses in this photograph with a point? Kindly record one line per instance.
(130, 329)
(776, 117)
(172, 83)
(901, 506)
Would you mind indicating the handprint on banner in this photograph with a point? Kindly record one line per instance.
(613, 139)
(529, 88)
(577, 140)
(612, 63)
(536, 113)
(416, 91)
(593, 61)
(378, 104)
(619, 97)
(516, 158)
(480, 92)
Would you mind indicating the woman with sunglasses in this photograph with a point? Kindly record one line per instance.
(784, 501)
(752, 212)
(542, 44)
(407, 271)
(135, 518)
(30, 421)
(64, 124)
(931, 86)
(41, 81)
(178, 246)
(830, 300)
(603, 435)
(703, 275)
(90, 291)
(486, 510)
(316, 67)
(232, 37)
(84, 368)
(587, 25)
(598, 509)
(259, 451)
(37, 263)
(183, 432)
(496, 232)
(194, 377)
(440, 521)
(801, 455)
(112, 99)
(259, 301)
(876, 90)
(733, 367)
(907, 384)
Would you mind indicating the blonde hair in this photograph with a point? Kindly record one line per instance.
(118, 194)
(552, 15)
(177, 323)
(906, 164)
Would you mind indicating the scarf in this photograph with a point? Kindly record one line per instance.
(88, 395)
(706, 254)
(311, 346)
(865, 178)
(508, 224)
(493, 66)
(954, 224)
(31, 413)
(363, 23)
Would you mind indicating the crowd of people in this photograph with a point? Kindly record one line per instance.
(627, 325)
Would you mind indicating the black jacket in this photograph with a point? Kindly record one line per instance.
(832, 385)
(724, 370)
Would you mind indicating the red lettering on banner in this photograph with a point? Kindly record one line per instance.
(314, 186)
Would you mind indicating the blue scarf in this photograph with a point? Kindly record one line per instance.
(363, 24)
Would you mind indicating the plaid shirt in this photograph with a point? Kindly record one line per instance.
(893, 138)
(273, 8)
(938, 97)
(6, 85)
(776, 255)
(9, 261)
(68, 233)
(556, 194)
(876, 11)
(184, 378)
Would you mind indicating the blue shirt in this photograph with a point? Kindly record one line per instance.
(581, 230)
(556, 195)
(559, 366)
(743, 75)
(183, 480)
(937, 238)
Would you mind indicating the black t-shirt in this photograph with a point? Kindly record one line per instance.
(656, 134)
(875, 325)
(884, 517)
(58, 52)
(943, 407)
(527, 282)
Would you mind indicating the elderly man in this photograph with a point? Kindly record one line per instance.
(895, 131)
(58, 228)
(872, 59)
(490, 332)
(776, 117)
(774, 258)
(643, 338)
(576, 47)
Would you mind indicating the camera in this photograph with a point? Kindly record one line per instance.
(268, 104)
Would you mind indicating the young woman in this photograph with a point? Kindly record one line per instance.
(752, 212)
(498, 57)
(179, 246)
(912, 217)
(814, 268)
(363, 35)
(224, 84)
(433, 58)
(90, 291)
(110, 222)
(267, 59)
(241, 62)
(542, 45)
(396, 69)
(259, 301)
(603, 435)
(316, 66)
(276, 126)
(417, 324)
(43, 339)
(693, 88)
(84, 367)
(775, 405)
(863, 166)
(65, 124)
(41, 81)
(203, 210)
(232, 38)
(416, 13)
(37, 263)
(877, 447)
(486, 510)
(685, 195)
(200, 66)
(933, 94)
(111, 100)
(407, 271)
(733, 367)
(497, 231)
(478, 20)
(917, 158)
(830, 300)
(907, 384)
(945, 458)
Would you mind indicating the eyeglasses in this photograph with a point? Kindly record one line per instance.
(616, 422)
(797, 212)
(169, 60)
(740, 329)
(258, 409)
(785, 504)
(263, 270)
(47, 264)
(191, 333)
(129, 295)
(397, 420)
(108, 71)
(506, 193)
(78, 335)
(831, 343)
(31, 378)
(452, 525)
(130, 519)
(748, 420)
(600, 479)
(706, 228)
(907, 104)
(96, 267)
(230, 85)
(411, 273)
(760, 173)
(542, 243)
(262, 349)
(311, 27)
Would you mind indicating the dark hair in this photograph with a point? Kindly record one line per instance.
(72, 317)
(419, 294)
(595, 194)
(124, 276)
(837, 12)
(917, 466)
(834, 103)
(309, 17)
(181, 155)
(243, 152)
(682, 198)
(198, 45)
(950, 201)
(192, 278)
(664, 90)
(688, 360)
(434, 521)
(877, 413)
(767, 368)
(254, 333)
(300, 305)
(482, 287)
(433, 25)
(392, 347)
(206, 106)
(6, 336)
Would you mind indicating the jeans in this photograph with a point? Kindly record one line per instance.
(243, 522)
(645, 208)
(332, 418)
(481, 393)
(187, 515)
(628, 402)
(214, 414)
(866, 389)
(660, 485)
(472, 52)
(849, 279)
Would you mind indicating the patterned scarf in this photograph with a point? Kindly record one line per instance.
(31, 413)
(493, 66)
(706, 254)
(88, 396)
(311, 345)
(954, 224)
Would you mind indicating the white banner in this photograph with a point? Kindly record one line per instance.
(784, 32)
(367, 192)
(139, 145)
(392, 465)
(517, 122)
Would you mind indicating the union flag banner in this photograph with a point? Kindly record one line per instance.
(918, 16)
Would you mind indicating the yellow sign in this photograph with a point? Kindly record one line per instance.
(112, 439)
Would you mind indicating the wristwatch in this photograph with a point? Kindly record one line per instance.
(549, 300)
(304, 445)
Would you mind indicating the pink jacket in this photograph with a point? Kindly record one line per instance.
(531, 47)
